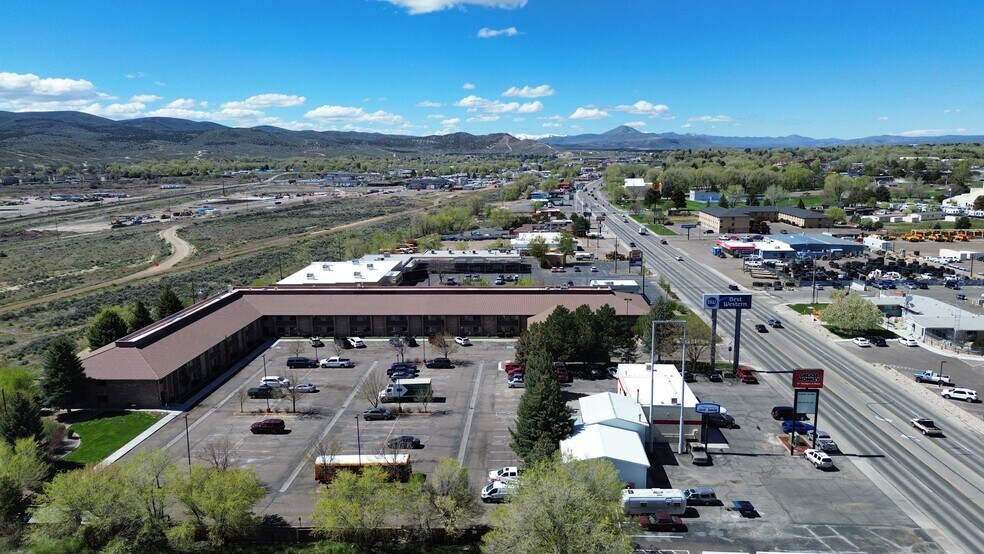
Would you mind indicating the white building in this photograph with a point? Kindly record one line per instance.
(522, 240)
(613, 410)
(657, 388)
(619, 446)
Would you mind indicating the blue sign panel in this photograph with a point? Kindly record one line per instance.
(707, 408)
(728, 301)
(689, 226)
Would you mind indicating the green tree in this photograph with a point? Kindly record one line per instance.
(542, 418)
(835, 186)
(723, 202)
(835, 213)
(962, 222)
(106, 327)
(537, 247)
(566, 245)
(139, 317)
(168, 302)
(961, 172)
(24, 463)
(679, 198)
(776, 194)
(355, 507)
(652, 198)
(218, 502)
(851, 312)
(63, 376)
(734, 194)
(446, 497)
(21, 419)
(562, 507)
(801, 205)
(662, 309)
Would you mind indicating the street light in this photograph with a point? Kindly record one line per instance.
(939, 380)
(358, 435)
(187, 439)
(652, 377)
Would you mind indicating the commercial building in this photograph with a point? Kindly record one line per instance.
(172, 358)
(613, 410)
(742, 218)
(620, 447)
(657, 388)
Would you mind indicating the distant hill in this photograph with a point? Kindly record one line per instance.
(628, 138)
(73, 137)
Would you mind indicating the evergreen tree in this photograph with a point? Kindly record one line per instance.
(105, 328)
(679, 198)
(168, 302)
(542, 419)
(22, 419)
(801, 205)
(63, 375)
(723, 202)
(139, 317)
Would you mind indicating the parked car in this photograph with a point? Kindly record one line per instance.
(396, 375)
(908, 341)
(505, 474)
(823, 441)
(877, 341)
(761, 328)
(403, 367)
(661, 522)
(721, 420)
(355, 342)
(794, 426)
(316, 342)
(404, 441)
(714, 377)
(301, 361)
(967, 395)
(594, 269)
(463, 341)
(746, 375)
(439, 363)
(862, 342)
(516, 381)
(263, 391)
(267, 427)
(701, 496)
(786, 413)
(276, 382)
(370, 414)
(306, 387)
(820, 460)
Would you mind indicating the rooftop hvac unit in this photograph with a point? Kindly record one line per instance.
(325, 267)
(368, 266)
(358, 275)
(311, 276)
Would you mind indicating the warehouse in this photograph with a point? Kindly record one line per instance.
(613, 410)
(620, 447)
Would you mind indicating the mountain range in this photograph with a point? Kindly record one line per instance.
(55, 138)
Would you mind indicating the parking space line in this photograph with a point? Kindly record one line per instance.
(471, 413)
(338, 415)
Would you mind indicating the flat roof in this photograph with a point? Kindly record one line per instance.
(664, 380)
(607, 406)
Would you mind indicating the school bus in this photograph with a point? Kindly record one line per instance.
(397, 466)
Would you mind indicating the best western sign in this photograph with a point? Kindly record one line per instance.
(727, 301)
(807, 378)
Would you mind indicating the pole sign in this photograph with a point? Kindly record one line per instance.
(806, 401)
(727, 301)
(689, 226)
(807, 378)
(707, 408)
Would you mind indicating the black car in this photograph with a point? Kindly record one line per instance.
(263, 391)
(377, 413)
(786, 413)
(403, 441)
(761, 328)
(732, 287)
(439, 363)
(301, 361)
(877, 341)
(721, 420)
(714, 377)
(397, 375)
(403, 367)
(631, 244)
(689, 377)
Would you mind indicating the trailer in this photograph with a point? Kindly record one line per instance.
(649, 501)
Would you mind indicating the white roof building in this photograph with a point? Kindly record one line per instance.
(613, 410)
(522, 240)
(619, 446)
(661, 383)
(635, 183)
(374, 270)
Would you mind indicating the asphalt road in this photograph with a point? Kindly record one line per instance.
(938, 483)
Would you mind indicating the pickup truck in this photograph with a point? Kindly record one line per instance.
(927, 427)
(337, 361)
(932, 377)
(698, 452)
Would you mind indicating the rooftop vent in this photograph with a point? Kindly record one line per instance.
(325, 267)
(358, 275)
(369, 266)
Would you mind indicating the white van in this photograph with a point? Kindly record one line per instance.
(643, 231)
(496, 491)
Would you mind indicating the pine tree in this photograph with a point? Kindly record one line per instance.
(21, 419)
(106, 327)
(63, 375)
(801, 205)
(139, 317)
(168, 302)
(542, 420)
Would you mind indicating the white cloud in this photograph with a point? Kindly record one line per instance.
(136, 75)
(924, 132)
(524, 136)
(415, 7)
(952, 110)
(552, 125)
(451, 122)
(485, 32)
(116, 111)
(636, 124)
(518, 119)
(182, 113)
(482, 118)
(353, 114)
(588, 113)
(686, 126)
(643, 107)
(468, 86)
(145, 98)
(883, 118)
(529, 92)
(270, 100)
(429, 104)
(711, 119)
(181, 104)
(436, 116)
(474, 103)
(552, 118)
(21, 92)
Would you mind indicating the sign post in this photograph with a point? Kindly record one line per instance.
(704, 408)
(806, 386)
(737, 302)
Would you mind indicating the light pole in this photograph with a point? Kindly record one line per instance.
(264, 365)
(652, 379)
(939, 380)
(187, 439)
(358, 435)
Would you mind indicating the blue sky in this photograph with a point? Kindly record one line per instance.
(528, 67)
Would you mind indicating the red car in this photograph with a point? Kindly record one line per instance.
(661, 522)
(267, 427)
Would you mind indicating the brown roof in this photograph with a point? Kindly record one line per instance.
(161, 348)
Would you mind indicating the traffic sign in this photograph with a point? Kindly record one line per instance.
(707, 408)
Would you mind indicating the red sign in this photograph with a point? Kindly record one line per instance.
(807, 378)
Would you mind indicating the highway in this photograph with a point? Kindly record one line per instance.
(939, 482)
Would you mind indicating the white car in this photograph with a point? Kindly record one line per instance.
(306, 387)
(505, 474)
(355, 342)
(862, 342)
(908, 341)
(820, 460)
(960, 394)
(463, 341)
(679, 258)
(516, 382)
(275, 382)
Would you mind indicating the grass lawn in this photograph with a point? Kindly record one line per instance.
(807, 309)
(654, 228)
(104, 435)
